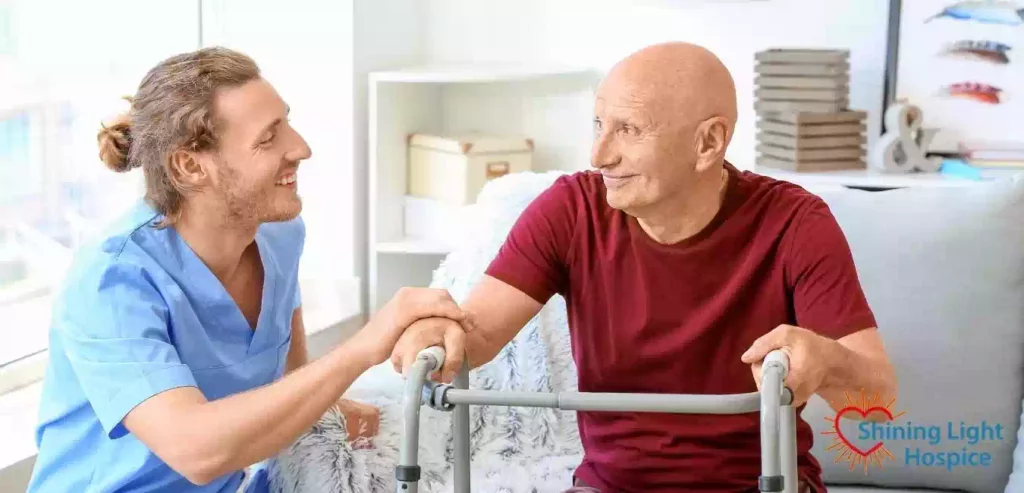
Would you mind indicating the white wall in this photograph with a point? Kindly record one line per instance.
(387, 34)
(305, 49)
(599, 32)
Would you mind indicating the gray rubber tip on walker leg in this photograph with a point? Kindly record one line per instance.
(408, 473)
(770, 483)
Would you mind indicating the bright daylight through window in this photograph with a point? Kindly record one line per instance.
(64, 66)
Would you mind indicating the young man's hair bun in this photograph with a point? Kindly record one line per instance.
(115, 141)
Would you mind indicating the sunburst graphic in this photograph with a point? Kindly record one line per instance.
(847, 452)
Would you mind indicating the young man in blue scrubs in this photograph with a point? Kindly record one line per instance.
(177, 354)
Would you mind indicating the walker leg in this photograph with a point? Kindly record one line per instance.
(407, 472)
(787, 449)
(775, 400)
(773, 474)
(461, 435)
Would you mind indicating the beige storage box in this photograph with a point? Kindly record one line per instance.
(455, 168)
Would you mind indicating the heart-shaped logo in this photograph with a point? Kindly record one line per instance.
(864, 414)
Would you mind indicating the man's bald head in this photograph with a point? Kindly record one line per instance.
(664, 117)
(685, 82)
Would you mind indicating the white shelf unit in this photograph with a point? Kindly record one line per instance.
(876, 180)
(551, 105)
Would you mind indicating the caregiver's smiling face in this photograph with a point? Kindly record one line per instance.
(252, 170)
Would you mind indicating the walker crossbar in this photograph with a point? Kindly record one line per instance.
(778, 417)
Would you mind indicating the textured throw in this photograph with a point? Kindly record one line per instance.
(513, 449)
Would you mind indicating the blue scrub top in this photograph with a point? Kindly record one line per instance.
(140, 314)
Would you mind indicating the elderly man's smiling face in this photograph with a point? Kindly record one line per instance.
(659, 123)
(641, 150)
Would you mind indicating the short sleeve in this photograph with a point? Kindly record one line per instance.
(300, 244)
(114, 332)
(534, 255)
(827, 294)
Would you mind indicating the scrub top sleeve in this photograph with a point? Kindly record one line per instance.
(299, 238)
(115, 334)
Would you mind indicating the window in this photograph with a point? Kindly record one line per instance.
(64, 65)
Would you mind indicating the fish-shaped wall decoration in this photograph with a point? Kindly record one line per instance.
(988, 51)
(988, 12)
(974, 91)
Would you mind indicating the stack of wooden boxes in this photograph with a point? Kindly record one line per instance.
(802, 104)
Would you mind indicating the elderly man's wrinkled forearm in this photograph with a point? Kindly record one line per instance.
(480, 350)
(852, 374)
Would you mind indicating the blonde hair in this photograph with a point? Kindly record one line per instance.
(173, 109)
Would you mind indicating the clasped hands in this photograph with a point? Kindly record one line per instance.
(429, 332)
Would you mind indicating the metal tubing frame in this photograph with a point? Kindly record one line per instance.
(778, 416)
(407, 473)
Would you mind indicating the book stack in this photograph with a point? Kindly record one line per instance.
(994, 155)
(804, 120)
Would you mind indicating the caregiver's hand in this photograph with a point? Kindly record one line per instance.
(437, 331)
(362, 421)
(377, 339)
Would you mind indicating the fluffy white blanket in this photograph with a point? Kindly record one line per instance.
(513, 449)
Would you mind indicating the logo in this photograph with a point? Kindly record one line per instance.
(875, 431)
(847, 450)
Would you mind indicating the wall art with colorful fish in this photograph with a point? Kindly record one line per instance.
(960, 62)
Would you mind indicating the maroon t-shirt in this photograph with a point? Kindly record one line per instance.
(653, 318)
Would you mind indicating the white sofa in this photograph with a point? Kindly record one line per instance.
(942, 268)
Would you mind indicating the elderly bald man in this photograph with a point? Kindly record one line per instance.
(680, 273)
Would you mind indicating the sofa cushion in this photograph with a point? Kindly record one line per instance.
(869, 489)
(943, 269)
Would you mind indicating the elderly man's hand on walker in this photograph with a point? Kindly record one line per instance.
(809, 357)
(831, 368)
(428, 332)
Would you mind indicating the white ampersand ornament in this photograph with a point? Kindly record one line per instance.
(903, 147)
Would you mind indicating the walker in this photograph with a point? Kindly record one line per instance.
(778, 417)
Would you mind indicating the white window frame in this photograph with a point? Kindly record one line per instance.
(24, 319)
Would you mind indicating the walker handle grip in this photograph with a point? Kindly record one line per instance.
(434, 356)
(777, 357)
